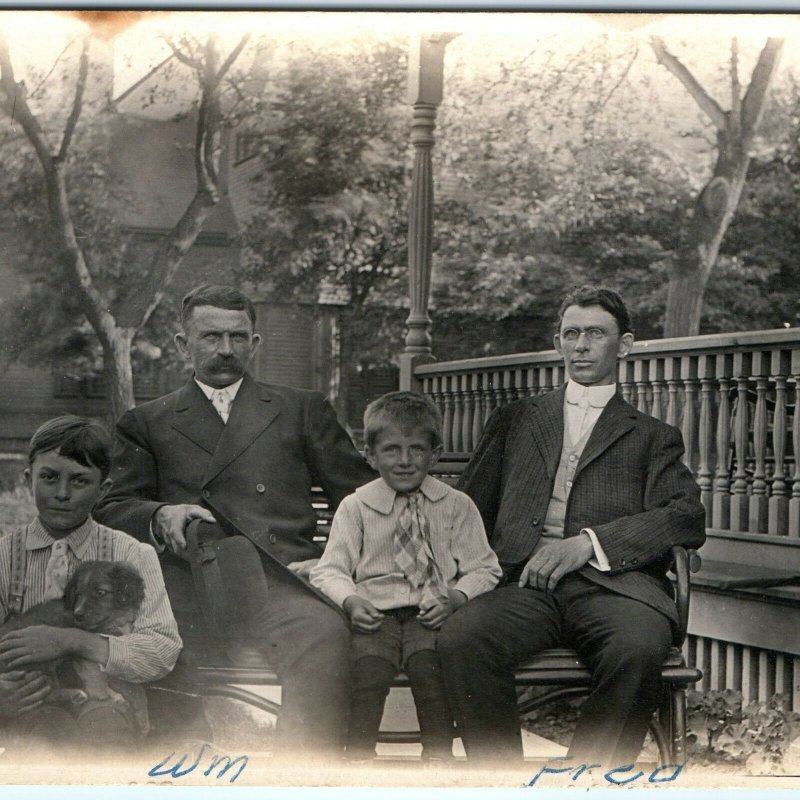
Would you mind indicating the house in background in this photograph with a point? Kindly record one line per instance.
(152, 147)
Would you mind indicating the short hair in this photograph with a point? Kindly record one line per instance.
(607, 299)
(78, 438)
(407, 410)
(218, 296)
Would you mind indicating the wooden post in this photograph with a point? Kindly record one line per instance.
(425, 84)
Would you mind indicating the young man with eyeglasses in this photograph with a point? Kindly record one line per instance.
(582, 497)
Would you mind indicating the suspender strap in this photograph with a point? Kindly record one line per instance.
(16, 590)
(104, 544)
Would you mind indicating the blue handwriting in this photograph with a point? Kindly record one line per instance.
(177, 770)
(618, 776)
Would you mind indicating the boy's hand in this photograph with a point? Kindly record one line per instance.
(432, 616)
(363, 615)
(169, 524)
(21, 692)
(33, 645)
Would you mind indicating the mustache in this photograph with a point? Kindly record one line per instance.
(225, 362)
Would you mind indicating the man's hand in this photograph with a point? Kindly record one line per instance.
(169, 524)
(555, 560)
(35, 644)
(363, 615)
(302, 568)
(433, 615)
(21, 692)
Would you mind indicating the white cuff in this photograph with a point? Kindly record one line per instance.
(157, 546)
(600, 561)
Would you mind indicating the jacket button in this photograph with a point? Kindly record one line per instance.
(634, 561)
(206, 493)
(260, 488)
(535, 520)
(622, 562)
(273, 538)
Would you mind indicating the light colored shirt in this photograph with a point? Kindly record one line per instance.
(147, 653)
(359, 557)
(232, 390)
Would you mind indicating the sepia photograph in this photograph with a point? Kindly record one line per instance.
(320, 329)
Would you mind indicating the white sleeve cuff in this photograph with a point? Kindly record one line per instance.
(600, 561)
(157, 546)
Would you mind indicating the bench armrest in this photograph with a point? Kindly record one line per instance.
(684, 562)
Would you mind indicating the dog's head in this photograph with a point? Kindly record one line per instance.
(105, 596)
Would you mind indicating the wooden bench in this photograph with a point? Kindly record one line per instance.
(560, 671)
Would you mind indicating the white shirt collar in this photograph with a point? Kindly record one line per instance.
(596, 396)
(78, 540)
(232, 389)
(379, 496)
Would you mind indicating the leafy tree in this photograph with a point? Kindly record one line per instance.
(717, 202)
(66, 200)
(330, 214)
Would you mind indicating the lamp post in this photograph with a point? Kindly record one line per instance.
(425, 82)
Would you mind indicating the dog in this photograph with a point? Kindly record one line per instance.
(102, 597)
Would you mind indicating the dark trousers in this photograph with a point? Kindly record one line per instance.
(304, 640)
(401, 641)
(623, 642)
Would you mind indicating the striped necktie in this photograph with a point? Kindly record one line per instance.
(413, 553)
(56, 572)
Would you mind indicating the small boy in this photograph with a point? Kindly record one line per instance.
(405, 551)
(68, 464)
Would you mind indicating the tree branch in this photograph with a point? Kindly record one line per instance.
(181, 56)
(16, 106)
(756, 94)
(77, 102)
(138, 304)
(736, 90)
(707, 103)
(234, 54)
(622, 77)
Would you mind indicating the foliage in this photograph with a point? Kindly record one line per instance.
(720, 728)
(331, 206)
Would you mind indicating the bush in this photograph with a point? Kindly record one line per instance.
(16, 508)
(722, 729)
(11, 474)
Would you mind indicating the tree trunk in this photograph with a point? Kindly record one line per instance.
(116, 344)
(713, 212)
(719, 199)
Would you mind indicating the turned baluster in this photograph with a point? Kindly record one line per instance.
(689, 419)
(705, 435)
(778, 510)
(794, 503)
(757, 518)
(740, 501)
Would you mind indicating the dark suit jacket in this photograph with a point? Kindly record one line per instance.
(255, 472)
(630, 487)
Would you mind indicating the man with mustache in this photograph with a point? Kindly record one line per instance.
(582, 497)
(226, 448)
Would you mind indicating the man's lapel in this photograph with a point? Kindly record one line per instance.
(252, 411)
(617, 419)
(196, 418)
(546, 423)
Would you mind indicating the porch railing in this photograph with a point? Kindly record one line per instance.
(734, 396)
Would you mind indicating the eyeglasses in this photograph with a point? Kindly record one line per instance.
(592, 334)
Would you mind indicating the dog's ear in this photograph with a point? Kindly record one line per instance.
(129, 586)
